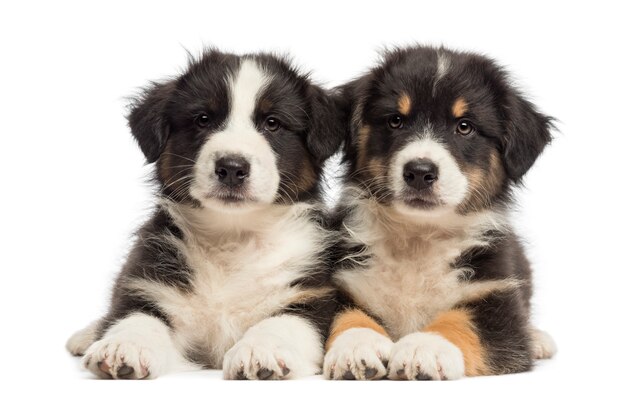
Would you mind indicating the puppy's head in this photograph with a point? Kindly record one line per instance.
(235, 132)
(435, 131)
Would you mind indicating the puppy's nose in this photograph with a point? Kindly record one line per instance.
(420, 174)
(232, 170)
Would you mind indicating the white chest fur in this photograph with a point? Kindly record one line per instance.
(239, 280)
(409, 275)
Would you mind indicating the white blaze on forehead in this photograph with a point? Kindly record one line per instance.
(240, 137)
(451, 186)
(245, 89)
(443, 64)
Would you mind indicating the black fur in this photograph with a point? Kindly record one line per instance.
(527, 133)
(152, 258)
(147, 120)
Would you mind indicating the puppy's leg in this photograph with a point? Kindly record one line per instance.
(484, 338)
(433, 356)
(138, 346)
(543, 345)
(78, 343)
(358, 348)
(281, 347)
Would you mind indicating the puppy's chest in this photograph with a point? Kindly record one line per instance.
(407, 291)
(236, 285)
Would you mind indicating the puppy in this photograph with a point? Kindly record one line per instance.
(230, 271)
(435, 284)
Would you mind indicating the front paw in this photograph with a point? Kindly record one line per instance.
(425, 356)
(119, 359)
(78, 343)
(358, 353)
(258, 360)
(543, 346)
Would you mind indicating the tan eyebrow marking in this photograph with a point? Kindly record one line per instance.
(265, 105)
(404, 104)
(459, 108)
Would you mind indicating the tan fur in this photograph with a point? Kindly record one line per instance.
(352, 319)
(306, 176)
(164, 165)
(404, 104)
(376, 171)
(309, 295)
(362, 139)
(459, 108)
(457, 327)
(266, 105)
(483, 184)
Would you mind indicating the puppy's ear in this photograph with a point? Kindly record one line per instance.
(326, 130)
(527, 132)
(350, 98)
(147, 120)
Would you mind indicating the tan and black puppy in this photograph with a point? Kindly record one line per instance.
(435, 283)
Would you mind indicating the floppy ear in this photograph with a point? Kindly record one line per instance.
(147, 120)
(326, 130)
(349, 99)
(527, 132)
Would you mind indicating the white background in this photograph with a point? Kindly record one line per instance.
(73, 183)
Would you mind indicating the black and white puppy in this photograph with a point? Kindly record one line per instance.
(229, 272)
(436, 284)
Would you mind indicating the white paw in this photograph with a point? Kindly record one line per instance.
(425, 356)
(119, 359)
(358, 353)
(136, 347)
(78, 343)
(543, 346)
(260, 358)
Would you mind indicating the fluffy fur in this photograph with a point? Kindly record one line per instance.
(232, 263)
(436, 141)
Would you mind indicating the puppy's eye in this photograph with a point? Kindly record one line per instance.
(395, 121)
(202, 120)
(271, 124)
(464, 127)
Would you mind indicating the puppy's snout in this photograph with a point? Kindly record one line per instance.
(232, 170)
(420, 174)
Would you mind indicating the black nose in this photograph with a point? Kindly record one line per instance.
(420, 174)
(232, 170)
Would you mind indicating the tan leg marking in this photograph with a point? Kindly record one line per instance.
(352, 319)
(457, 327)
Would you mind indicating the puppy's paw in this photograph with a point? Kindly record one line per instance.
(259, 359)
(120, 359)
(358, 353)
(425, 356)
(543, 346)
(78, 343)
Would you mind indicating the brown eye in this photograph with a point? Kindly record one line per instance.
(395, 121)
(464, 127)
(272, 124)
(202, 120)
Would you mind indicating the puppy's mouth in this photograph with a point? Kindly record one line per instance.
(421, 200)
(231, 196)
